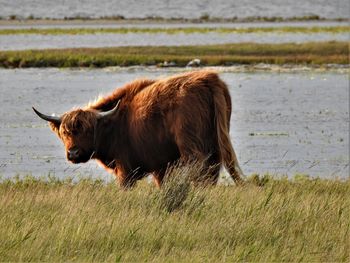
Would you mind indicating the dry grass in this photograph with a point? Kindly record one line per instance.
(266, 220)
(211, 55)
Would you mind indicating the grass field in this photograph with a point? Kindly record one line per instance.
(266, 220)
(318, 53)
(184, 30)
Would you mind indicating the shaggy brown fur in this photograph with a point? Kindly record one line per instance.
(157, 123)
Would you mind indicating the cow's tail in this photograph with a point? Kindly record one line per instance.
(222, 110)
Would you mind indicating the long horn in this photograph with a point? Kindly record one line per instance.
(53, 119)
(110, 112)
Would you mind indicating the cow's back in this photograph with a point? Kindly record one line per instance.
(173, 111)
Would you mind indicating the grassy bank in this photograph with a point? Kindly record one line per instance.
(178, 30)
(211, 55)
(266, 220)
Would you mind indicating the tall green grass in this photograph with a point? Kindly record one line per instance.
(211, 55)
(266, 220)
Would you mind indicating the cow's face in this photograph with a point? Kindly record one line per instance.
(77, 131)
(77, 134)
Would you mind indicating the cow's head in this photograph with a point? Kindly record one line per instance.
(77, 130)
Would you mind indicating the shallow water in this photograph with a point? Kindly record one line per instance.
(282, 123)
(34, 41)
(176, 8)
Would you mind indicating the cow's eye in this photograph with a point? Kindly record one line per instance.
(77, 126)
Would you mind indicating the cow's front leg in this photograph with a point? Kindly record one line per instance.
(158, 177)
(125, 180)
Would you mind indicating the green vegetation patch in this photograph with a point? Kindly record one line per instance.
(184, 30)
(266, 220)
(210, 55)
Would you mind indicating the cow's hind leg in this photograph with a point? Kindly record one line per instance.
(205, 166)
(197, 146)
(211, 169)
(212, 173)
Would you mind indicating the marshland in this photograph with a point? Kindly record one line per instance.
(287, 70)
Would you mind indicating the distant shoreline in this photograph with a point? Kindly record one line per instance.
(78, 20)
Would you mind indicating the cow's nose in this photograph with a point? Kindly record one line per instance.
(73, 154)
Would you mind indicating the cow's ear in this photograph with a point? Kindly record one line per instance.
(55, 127)
(54, 121)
